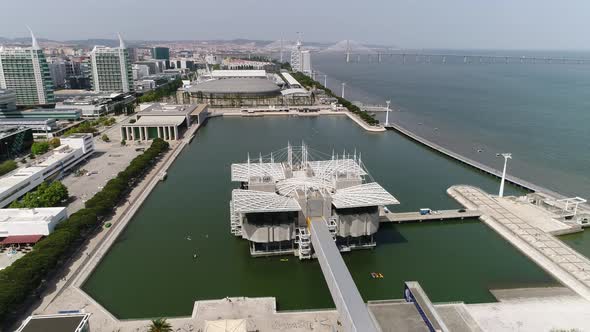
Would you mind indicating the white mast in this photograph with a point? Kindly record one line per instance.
(387, 113)
(290, 155)
(34, 43)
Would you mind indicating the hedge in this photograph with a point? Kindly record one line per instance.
(26, 276)
(308, 82)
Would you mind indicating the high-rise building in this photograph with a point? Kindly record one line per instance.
(26, 72)
(161, 53)
(296, 57)
(110, 69)
(306, 61)
(57, 70)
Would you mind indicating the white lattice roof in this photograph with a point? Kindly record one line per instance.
(327, 168)
(367, 194)
(240, 172)
(252, 201)
(288, 187)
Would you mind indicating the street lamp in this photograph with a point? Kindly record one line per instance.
(506, 157)
(387, 113)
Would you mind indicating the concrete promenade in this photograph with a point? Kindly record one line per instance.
(321, 110)
(565, 264)
(484, 168)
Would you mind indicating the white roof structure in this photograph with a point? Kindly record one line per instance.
(38, 215)
(252, 201)
(242, 172)
(291, 81)
(367, 194)
(169, 120)
(238, 73)
(328, 168)
(288, 187)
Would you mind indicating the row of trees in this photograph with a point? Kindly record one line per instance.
(161, 92)
(309, 82)
(46, 195)
(90, 127)
(25, 277)
(42, 147)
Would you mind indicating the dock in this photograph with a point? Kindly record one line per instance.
(532, 238)
(433, 216)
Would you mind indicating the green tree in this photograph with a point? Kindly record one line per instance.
(160, 325)
(54, 142)
(105, 138)
(39, 148)
(26, 275)
(7, 166)
(45, 195)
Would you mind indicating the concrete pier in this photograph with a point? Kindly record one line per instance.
(470, 162)
(433, 216)
(525, 232)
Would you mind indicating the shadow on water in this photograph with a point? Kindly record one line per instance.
(389, 234)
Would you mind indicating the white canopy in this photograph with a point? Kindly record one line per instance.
(253, 201)
(364, 195)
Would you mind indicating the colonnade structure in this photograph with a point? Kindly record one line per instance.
(165, 121)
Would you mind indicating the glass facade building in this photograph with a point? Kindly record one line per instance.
(110, 69)
(161, 53)
(26, 72)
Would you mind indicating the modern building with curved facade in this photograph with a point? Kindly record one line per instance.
(243, 91)
(235, 92)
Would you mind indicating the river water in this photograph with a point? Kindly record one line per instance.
(150, 270)
(539, 112)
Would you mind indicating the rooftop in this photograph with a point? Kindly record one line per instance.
(55, 323)
(292, 173)
(164, 109)
(237, 85)
(238, 73)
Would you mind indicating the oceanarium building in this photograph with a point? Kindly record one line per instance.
(280, 194)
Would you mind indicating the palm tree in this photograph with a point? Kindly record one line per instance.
(160, 325)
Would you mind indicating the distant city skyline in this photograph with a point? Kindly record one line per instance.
(501, 24)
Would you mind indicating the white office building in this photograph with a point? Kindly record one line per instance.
(24, 222)
(306, 61)
(110, 69)
(25, 71)
(52, 165)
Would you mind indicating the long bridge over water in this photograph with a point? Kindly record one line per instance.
(458, 58)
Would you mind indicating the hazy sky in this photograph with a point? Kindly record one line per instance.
(545, 24)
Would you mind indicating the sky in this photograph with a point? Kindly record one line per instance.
(476, 24)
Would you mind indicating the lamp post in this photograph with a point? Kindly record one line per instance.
(506, 157)
(387, 113)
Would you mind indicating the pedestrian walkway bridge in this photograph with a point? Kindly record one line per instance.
(433, 216)
(353, 311)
